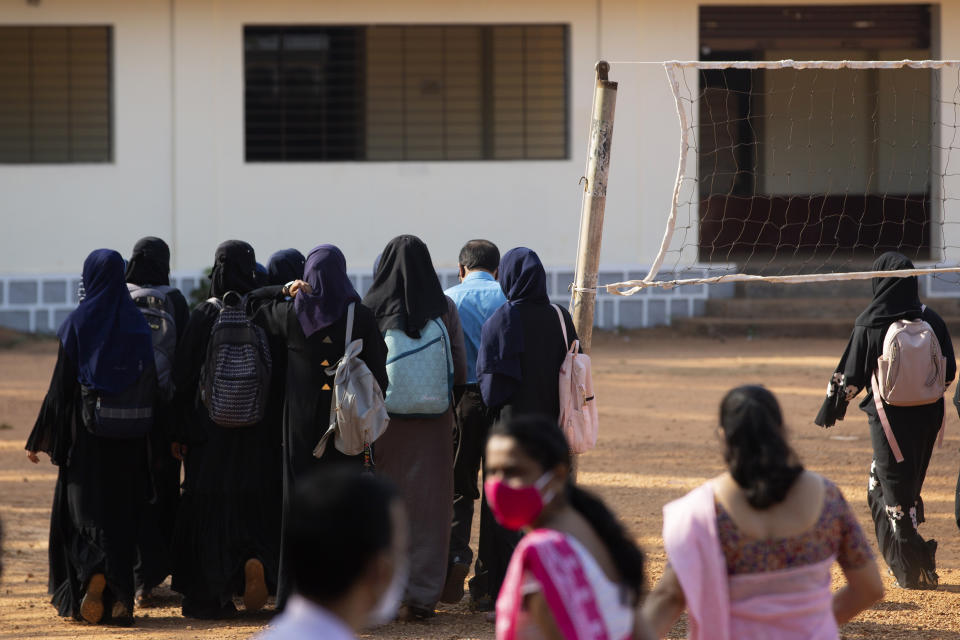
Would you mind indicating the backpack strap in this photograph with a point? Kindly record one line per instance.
(349, 334)
(563, 327)
(887, 430)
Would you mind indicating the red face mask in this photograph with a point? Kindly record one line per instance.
(517, 507)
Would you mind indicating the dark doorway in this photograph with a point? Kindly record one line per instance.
(814, 167)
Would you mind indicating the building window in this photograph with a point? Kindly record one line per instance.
(56, 92)
(388, 93)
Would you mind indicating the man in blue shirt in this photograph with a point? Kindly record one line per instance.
(477, 296)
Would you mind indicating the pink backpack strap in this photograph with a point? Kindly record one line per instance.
(563, 326)
(882, 414)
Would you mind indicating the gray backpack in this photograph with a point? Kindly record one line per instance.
(235, 379)
(157, 309)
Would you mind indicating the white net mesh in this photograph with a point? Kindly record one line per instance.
(807, 171)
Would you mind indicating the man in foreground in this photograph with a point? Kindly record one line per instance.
(347, 546)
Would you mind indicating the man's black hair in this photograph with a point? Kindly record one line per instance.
(338, 521)
(480, 254)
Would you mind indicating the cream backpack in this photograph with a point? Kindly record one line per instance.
(358, 413)
(911, 371)
(578, 405)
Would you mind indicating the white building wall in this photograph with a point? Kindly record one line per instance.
(55, 214)
(179, 169)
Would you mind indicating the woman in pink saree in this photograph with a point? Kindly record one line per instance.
(749, 552)
(575, 575)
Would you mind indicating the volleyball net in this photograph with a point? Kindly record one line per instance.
(806, 171)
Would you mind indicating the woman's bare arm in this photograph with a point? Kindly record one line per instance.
(539, 611)
(665, 603)
(864, 587)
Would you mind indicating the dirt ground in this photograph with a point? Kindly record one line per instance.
(658, 398)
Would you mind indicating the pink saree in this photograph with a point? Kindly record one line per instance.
(791, 604)
(550, 559)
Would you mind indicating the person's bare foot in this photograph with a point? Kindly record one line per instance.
(91, 607)
(255, 585)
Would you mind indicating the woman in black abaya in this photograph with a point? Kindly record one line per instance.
(311, 329)
(105, 345)
(149, 266)
(226, 540)
(894, 487)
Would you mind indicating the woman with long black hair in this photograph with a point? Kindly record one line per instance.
(576, 571)
(105, 351)
(894, 488)
(749, 553)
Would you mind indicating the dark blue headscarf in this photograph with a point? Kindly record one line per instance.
(285, 265)
(326, 273)
(106, 335)
(523, 281)
(260, 275)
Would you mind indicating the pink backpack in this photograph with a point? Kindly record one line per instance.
(578, 405)
(910, 372)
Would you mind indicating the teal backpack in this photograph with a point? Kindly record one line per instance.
(420, 371)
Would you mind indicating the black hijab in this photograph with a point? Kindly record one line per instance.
(234, 269)
(524, 282)
(285, 265)
(893, 298)
(406, 292)
(150, 263)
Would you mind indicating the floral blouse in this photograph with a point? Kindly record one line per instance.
(837, 532)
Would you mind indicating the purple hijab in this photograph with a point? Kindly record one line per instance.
(106, 335)
(326, 273)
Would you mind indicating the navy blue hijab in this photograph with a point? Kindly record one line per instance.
(524, 282)
(106, 335)
(285, 265)
(326, 273)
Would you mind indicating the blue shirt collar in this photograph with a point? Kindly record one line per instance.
(479, 275)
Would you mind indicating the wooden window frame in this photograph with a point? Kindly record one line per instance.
(32, 104)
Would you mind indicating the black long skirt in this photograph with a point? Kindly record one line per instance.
(894, 491)
(93, 526)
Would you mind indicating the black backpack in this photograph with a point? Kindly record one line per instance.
(125, 415)
(158, 310)
(235, 379)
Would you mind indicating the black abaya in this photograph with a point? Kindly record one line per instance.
(100, 486)
(230, 506)
(308, 389)
(537, 391)
(158, 516)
